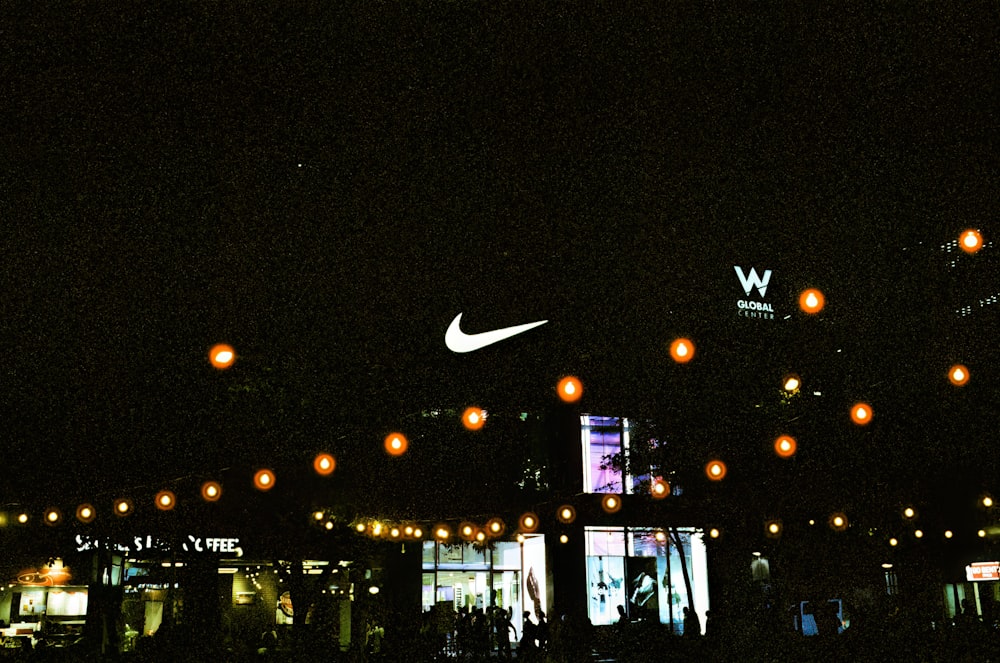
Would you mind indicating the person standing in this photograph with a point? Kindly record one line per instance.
(526, 648)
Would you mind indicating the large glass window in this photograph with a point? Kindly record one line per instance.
(643, 573)
(602, 437)
(508, 574)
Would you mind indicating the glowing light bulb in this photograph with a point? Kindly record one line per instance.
(211, 491)
(811, 301)
(861, 414)
(682, 350)
(396, 444)
(324, 464)
(785, 446)
(473, 418)
(263, 479)
(971, 241)
(222, 356)
(958, 375)
(570, 389)
(715, 470)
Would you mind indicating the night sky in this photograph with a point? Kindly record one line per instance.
(326, 185)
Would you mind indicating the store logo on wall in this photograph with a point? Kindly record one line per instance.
(751, 308)
(751, 281)
(138, 544)
(459, 341)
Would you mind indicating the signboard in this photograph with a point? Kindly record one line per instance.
(189, 543)
(754, 288)
(982, 571)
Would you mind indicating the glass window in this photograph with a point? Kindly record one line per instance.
(644, 573)
(602, 437)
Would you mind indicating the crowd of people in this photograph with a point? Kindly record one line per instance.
(480, 633)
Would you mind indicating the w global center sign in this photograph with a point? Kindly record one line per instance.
(754, 285)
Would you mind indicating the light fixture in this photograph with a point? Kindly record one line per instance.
(785, 446)
(838, 522)
(958, 375)
(165, 500)
(970, 241)
(396, 444)
(85, 513)
(324, 464)
(473, 418)
(467, 531)
(496, 526)
(566, 514)
(812, 301)
(682, 350)
(263, 479)
(222, 356)
(211, 491)
(123, 506)
(570, 389)
(861, 414)
(442, 532)
(528, 522)
(715, 470)
(791, 383)
(52, 516)
(611, 503)
(659, 488)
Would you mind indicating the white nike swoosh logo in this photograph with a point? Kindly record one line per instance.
(459, 341)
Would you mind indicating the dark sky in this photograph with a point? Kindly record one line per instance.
(326, 185)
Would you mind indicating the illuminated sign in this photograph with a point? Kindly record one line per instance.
(189, 543)
(751, 282)
(982, 571)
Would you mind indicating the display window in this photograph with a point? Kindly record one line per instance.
(644, 574)
(463, 577)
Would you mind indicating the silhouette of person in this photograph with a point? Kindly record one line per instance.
(526, 648)
(692, 625)
(542, 631)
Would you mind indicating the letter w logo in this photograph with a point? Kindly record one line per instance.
(752, 281)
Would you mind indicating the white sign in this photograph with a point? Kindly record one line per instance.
(751, 281)
(190, 543)
(978, 571)
(751, 308)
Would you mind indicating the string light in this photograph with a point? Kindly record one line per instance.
(222, 356)
(570, 389)
(812, 301)
(682, 350)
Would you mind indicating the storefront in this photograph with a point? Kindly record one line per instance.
(642, 573)
(43, 604)
(511, 575)
(215, 586)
